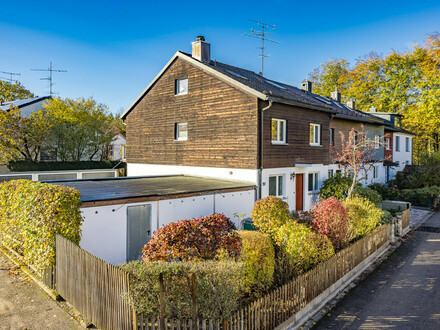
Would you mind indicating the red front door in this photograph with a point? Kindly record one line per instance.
(299, 192)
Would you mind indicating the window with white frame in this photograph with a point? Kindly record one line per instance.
(388, 143)
(313, 182)
(375, 172)
(315, 134)
(376, 141)
(181, 86)
(278, 131)
(276, 185)
(407, 144)
(332, 136)
(330, 174)
(181, 131)
(397, 143)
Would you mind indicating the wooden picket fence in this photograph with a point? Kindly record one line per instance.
(277, 307)
(95, 288)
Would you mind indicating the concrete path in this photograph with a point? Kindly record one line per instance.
(23, 305)
(402, 293)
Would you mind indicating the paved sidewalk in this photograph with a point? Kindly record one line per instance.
(23, 305)
(417, 216)
(402, 293)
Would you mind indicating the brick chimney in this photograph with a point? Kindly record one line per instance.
(351, 104)
(336, 96)
(307, 86)
(201, 50)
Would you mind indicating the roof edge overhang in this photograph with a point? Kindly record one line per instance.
(201, 66)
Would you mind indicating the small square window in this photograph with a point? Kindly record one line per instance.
(332, 136)
(181, 86)
(181, 131)
(315, 134)
(376, 141)
(330, 174)
(278, 131)
(276, 185)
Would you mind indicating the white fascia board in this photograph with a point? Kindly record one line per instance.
(203, 67)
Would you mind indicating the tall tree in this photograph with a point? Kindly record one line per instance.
(330, 76)
(22, 137)
(13, 91)
(82, 129)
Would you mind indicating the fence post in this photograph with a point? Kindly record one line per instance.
(161, 302)
(193, 296)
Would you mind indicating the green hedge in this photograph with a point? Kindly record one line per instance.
(28, 166)
(31, 213)
(218, 286)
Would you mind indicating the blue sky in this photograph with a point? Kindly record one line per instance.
(112, 49)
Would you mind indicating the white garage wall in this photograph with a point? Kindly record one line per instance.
(237, 202)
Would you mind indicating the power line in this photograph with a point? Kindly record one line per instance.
(50, 78)
(11, 74)
(261, 35)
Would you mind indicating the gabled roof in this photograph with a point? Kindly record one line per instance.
(265, 89)
(22, 103)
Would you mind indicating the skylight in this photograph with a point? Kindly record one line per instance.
(319, 97)
(236, 74)
(276, 85)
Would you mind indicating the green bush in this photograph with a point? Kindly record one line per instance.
(218, 286)
(31, 213)
(363, 216)
(368, 193)
(336, 186)
(304, 247)
(386, 217)
(386, 192)
(420, 197)
(258, 256)
(28, 166)
(269, 214)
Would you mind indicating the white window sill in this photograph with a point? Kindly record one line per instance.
(315, 145)
(181, 94)
(279, 143)
(180, 140)
(313, 192)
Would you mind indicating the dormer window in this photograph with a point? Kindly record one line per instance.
(181, 86)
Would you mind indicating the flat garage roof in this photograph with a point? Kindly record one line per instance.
(93, 190)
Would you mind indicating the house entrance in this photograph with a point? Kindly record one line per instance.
(299, 192)
(138, 230)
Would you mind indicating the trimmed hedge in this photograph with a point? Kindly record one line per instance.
(363, 216)
(258, 256)
(28, 166)
(218, 286)
(196, 239)
(269, 214)
(31, 213)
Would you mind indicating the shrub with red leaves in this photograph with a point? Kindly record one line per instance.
(331, 219)
(196, 239)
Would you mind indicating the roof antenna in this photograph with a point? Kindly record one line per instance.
(261, 35)
(50, 69)
(11, 74)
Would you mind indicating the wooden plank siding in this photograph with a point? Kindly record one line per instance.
(298, 149)
(95, 288)
(222, 123)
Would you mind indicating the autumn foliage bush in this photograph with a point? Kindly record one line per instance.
(258, 256)
(331, 219)
(363, 216)
(304, 247)
(195, 239)
(269, 214)
(31, 213)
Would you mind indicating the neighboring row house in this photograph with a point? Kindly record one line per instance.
(205, 118)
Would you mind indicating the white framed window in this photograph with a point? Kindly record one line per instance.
(330, 174)
(376, 141)
(279, 131)
(407, 144)
(181, 131)
(313, 182)
(276, 185)
(332, 136)
(181, 86)
(375, 172)
(388, 143)
(397, 143)
(315, 134)
(407, 162)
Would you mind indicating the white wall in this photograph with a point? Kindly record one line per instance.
(104, 231)
(212, 172)
(401, 156)
(290, 184)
